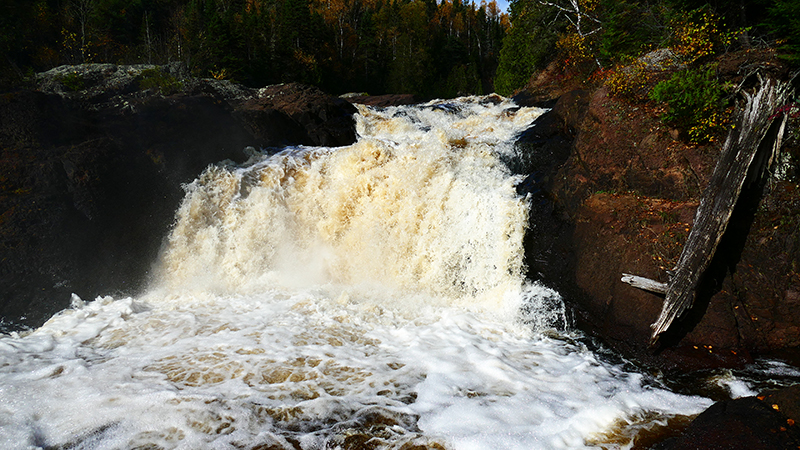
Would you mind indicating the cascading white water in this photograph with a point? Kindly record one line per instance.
(371, 296)
(420, 204)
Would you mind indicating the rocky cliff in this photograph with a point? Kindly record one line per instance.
(93, 158)
(616, 192)
(622, 200)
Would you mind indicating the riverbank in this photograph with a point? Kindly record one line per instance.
(623, 199)
(628, 191)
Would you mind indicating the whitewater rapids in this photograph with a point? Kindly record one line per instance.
(370, 296)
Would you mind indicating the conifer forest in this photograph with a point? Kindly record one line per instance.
(432, 48)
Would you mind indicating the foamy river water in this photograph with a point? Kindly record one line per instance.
(370, 296)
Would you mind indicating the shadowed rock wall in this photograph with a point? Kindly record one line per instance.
(90, 178)
(623, 201)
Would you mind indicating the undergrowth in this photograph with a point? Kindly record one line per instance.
(694, 101)
(157, 80)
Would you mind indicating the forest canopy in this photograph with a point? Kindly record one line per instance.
(431, 48)
(591, 37)
(427, 47)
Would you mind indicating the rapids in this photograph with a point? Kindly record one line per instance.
(370, 296)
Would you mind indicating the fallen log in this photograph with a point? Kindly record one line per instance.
(749, 151)
(645, 284)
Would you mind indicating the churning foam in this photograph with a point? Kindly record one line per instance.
(421, 203)
(370, 296)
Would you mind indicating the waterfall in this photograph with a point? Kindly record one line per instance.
(370, 296)
(421, 203)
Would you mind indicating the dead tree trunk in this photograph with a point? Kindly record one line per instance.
(749, 151)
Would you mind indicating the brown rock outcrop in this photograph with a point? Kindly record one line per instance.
(382, 101)
(741, 424)
(625, 199)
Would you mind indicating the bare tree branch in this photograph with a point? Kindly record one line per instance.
(575, 10)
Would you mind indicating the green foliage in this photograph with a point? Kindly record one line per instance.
(428, 47)
(631, 81)
(698, 34)
(210, 39)
(29, 32)
(694, 103)
(784, 21)
(528, 45)
(73, 82)
(737, 14)
(577, 45)
(425, 47)
(155, 79)
(463, 79)
(629, 29)
(518, 60)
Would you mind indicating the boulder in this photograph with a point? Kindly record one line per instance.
(748, 423)
(298, 114)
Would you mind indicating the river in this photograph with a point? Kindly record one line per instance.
(370, 296)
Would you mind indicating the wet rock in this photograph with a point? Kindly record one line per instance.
(383, 101)
(745, 423)
(299, 114)
(786, 400)
(545, 145)
(625, 197)
(542, 149)
(89, 194)
(745, 304)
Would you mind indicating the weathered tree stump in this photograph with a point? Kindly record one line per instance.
(749, 151)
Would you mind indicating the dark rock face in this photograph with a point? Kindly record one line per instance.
(623, 201)
(543, 149)
(382, 101)
(90, 181)
(298, 114)
(741, 424)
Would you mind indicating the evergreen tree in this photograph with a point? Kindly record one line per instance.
(528, 45)
(417, 46)
(784, 20)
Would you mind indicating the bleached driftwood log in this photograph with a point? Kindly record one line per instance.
(749, 151)
(645, 284)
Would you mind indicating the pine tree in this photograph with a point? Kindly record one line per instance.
(528, 44)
